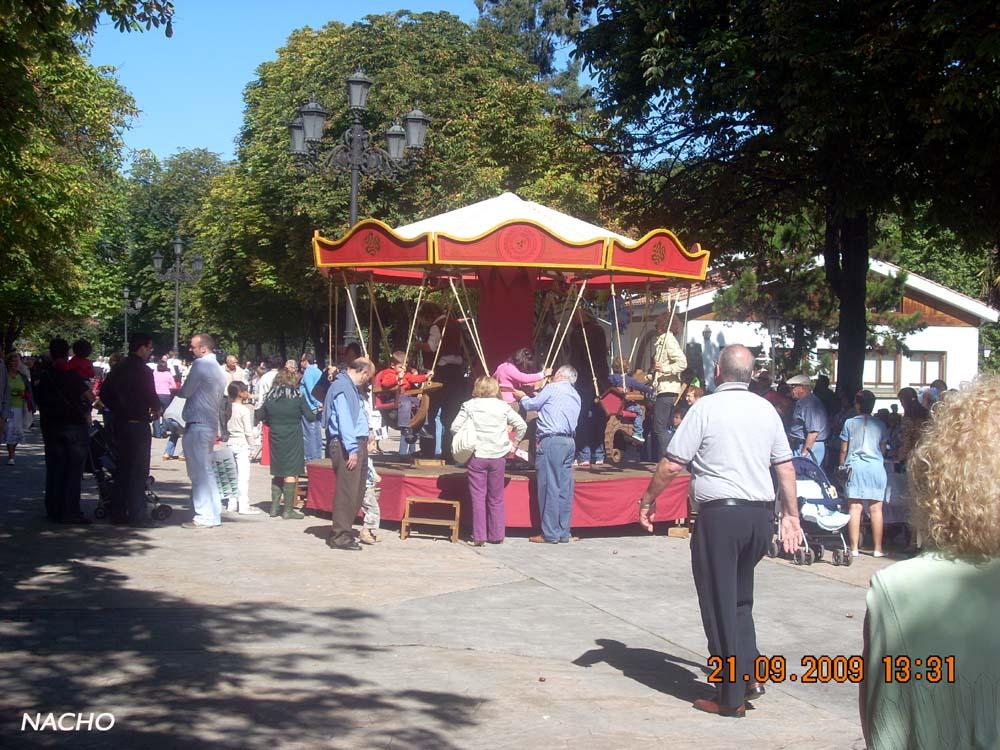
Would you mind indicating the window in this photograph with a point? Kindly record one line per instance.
(923, 368)
(880, 372)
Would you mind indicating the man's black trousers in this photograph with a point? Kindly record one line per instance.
(133, 442)
(728, 543)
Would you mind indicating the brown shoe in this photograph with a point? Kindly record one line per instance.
(539, 539)
(711, 707)
(366, 537)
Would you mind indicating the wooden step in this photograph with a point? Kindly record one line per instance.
(431, 521)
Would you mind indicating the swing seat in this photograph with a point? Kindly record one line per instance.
(614, 400)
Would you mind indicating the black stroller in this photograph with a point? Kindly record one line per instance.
(102, 464)
(821, 515)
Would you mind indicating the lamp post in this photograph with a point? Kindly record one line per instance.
(355, 151)
(773, 329)
(177, 274)
(129, 307)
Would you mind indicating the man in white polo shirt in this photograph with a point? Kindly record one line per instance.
(730, 440)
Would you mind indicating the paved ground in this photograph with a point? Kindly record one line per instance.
(255, 635)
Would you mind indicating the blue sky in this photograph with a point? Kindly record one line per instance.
(190, 87)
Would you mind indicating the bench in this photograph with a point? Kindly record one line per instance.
(453, 506)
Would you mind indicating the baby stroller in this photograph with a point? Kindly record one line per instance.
(101, 463)
(821, 515)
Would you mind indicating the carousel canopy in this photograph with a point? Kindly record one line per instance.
(508, 232)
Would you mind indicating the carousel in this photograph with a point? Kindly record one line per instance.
(529, 269)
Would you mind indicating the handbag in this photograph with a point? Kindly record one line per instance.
(463, 444)
(175, 410)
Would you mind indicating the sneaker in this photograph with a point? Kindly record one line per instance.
(367, 537)
(582, 464)
(195, 526)
(599, 462)
(878, 554)
(638, 439)
(251, 512)
(855, 553)
(10, 461)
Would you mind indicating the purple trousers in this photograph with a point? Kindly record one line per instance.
(486, 477)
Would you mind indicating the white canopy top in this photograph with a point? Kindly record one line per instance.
(479, 218)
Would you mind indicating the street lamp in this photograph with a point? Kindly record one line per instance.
(355, 152)
(177, 274)
(773, 330)
(129, 307)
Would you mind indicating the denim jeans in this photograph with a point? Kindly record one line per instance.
(554, 471)
(590, 428)
(312, 437)
(638, 427)
(198, 441)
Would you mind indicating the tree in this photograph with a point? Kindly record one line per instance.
(57, 193)
(859, 108)
(494, 128)
(60, 142)
(164, 199)
(540, 29)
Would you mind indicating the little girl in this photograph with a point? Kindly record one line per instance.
(239, 425)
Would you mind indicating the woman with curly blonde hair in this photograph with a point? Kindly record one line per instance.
(932, 641)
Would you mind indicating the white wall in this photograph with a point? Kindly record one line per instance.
(960, 344)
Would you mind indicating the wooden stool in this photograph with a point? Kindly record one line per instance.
(454, 506)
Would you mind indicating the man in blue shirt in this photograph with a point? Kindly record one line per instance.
(347, 432)
(558, 407)
(312, 432)
(810, 424)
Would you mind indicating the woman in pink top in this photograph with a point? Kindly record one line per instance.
(517, 373)
(163, 381)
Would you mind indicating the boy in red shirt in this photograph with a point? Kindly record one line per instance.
(396, 376)
(80, 362)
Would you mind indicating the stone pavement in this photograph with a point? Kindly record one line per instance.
(255, 635)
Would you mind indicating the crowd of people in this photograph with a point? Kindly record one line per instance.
(281, 412)
(736, 446)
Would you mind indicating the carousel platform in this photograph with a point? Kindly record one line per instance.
(604, 495)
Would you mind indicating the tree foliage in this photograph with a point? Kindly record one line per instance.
(857, 108)
(494, 129)
(61, 121)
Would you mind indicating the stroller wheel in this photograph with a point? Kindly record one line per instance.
(838, 557)
(100, 512)
(847, 559)
(818, 550)
(809, 556)
(162, 512)
(799, 558)
(772, 548)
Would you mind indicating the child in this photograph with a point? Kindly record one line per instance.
(239, 427)
(676, 417)
(80, 362)
(632, 383)
(82, 366)
(396, 376)
(373, 513)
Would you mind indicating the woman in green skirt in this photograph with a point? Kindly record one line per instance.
(282, 411)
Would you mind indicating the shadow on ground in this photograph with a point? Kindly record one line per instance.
(76, 636)
(665, 673)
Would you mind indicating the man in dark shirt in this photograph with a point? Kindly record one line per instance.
(63, 399)
(131, 396)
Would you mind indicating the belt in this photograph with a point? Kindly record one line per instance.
(727, 502)
(557, 434)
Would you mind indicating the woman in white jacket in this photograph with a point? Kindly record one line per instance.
(493, 420)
